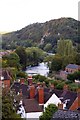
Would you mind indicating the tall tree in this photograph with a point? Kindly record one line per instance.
(22, 55)
(67, 51)
(56, 63)
(65, 47)
(7, 106)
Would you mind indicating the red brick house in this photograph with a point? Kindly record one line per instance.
(71, 68)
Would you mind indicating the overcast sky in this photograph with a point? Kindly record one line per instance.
(16, 14)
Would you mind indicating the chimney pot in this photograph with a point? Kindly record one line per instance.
(60, 105)
(22, 80)
(65, 87)
(51, 86)
(29, 80)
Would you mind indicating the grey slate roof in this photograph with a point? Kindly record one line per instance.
(66, 115)
(69, 95)
(72, 66)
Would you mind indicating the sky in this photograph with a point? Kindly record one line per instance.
(16, 14)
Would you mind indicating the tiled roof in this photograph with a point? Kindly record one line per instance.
(31, 105)
(72, 66)
(66, 115)
(17, 86)
(70, 96)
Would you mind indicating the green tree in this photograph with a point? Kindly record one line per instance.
(22, 55)
(65, 48)
(48, 47)
(74, 76)
(13, 60)
(56, 63)
(21, 74)
(73, 86)
(60, 85)
(78, 48)
(67, 51)
(49, 111)
(34, 55)
(7, 106)
(61, 47)
(77, 58)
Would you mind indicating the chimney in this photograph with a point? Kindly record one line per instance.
(51, 86)
(41, 95)
(65, 87)
(32, 91)
(22, 80)
(38, 84)
(44, 84)
(60, 106)
(29, 80)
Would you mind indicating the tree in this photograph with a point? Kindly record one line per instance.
(34, 55)
(78, 48)
(7, 106)
(56, 63)
(74, 76)
(65, 48)
(73, 86)
(48, 47)
(60, 85)
(67, 51)
(21, 74)
(77, 58)
(61, 47)
(22, 55)
(13, 60)
(49, 111)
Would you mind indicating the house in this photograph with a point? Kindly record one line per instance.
(66, 115)
(36, 97)
(69, 69)
(5, 78)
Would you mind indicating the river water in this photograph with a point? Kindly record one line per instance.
(41, 69)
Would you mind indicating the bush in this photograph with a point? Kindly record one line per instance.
(49, 111)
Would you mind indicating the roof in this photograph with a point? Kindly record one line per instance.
(18, 87)
(72, 66)
(31, 105)
(70, 96)
(65, 95)
(64, 72)
(66, 115)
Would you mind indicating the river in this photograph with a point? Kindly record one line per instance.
(41, 69)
